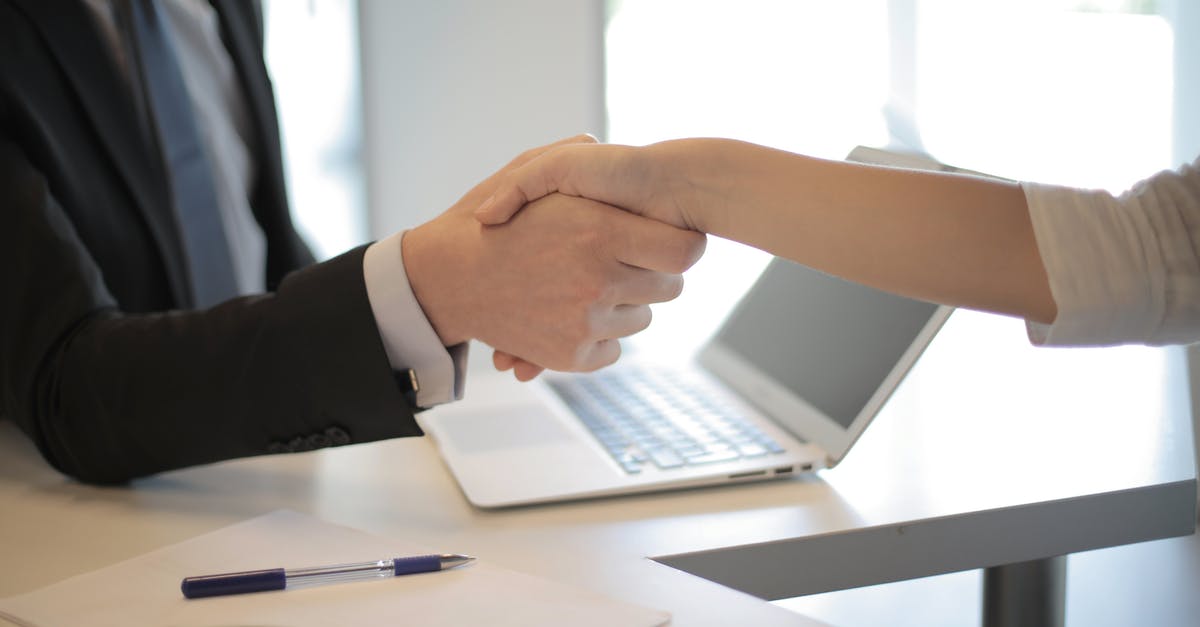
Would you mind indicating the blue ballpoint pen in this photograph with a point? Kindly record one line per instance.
(280, 578)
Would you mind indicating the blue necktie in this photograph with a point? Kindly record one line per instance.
(192, 187)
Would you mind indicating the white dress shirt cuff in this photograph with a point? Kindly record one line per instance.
(408, 338)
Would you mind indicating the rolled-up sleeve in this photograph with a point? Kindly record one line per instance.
(1122, 269)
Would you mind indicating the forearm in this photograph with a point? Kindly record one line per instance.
(961, 240)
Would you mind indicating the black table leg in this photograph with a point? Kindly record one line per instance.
(1026, 594)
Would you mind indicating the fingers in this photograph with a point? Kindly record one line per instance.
(653, 245)
(623, 321)
(639, 286)
(523, 184)
(590, 173)
(497, 182)
(503, 204)
(601, 354)
(503, 361)
(523, 370)
(533, 153)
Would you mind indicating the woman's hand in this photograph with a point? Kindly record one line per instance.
(653, 181)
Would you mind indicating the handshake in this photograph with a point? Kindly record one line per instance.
(559, 254)
(549, 280)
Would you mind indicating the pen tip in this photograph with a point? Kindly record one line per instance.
(451, 560)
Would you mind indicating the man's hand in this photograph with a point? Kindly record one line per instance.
(555, 286)
(644, 181)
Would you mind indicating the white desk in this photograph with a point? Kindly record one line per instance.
(990, 453)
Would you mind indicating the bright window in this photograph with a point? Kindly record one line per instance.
(1066, 91)
(312, 54)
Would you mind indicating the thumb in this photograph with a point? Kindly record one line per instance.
(533, 153)
(502, 205)
(517, 188)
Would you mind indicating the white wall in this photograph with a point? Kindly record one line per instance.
(453, 89)
(1184, 16)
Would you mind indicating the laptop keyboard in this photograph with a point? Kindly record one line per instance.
(647, 417)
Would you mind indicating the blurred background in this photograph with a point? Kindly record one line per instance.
(392, 109)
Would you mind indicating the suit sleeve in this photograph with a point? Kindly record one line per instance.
(108, 396)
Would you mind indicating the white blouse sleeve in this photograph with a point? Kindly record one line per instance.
(1122, 269)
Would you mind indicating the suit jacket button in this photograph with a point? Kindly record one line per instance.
(276, 448)
(298, 445)
(337, 436)
(317, 440)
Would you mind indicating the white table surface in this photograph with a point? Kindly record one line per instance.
(990, 452)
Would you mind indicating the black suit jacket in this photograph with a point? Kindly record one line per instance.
(102, 362)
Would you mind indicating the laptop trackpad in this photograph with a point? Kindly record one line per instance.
(502, 427)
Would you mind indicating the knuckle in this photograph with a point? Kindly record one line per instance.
(644, 317)
(580, 359)
(698, 246)
(592, 289)
(676, 260)
(583, 294)
(564, 358)
(580, 333)
(548, 179)
(592, 233)
(673, 287)
(599, 355)
(611, 352)
(690, 249)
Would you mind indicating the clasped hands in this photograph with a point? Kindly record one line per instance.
(553, 285)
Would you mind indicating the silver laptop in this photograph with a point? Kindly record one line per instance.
(786, 385)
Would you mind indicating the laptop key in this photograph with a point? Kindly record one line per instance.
(752, 450)
(771, 445)
(713, 457)
(691, 451)
(632, 463)
(632, 468)
(665, 458)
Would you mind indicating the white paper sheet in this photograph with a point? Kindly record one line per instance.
(145, 590)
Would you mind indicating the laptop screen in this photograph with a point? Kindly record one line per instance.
(828, 341)
(817, 354)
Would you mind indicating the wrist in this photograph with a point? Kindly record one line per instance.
(692, 177)
(435, 278)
